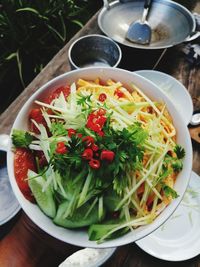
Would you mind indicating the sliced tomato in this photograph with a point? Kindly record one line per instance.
(36, 115)
(56, 93)
(23, 161)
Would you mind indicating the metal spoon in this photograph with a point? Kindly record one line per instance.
(195, 120)
(140, 31)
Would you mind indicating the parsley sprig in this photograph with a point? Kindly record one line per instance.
(21, 138)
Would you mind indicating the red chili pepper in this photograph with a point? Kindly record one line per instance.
(89, 140)
(102, 97)
(101, 121)
(96, 121)
(71, 132)
(79, 135)
(119, 93)
(93, 126)
(61, 148)
(101, 112)
(95, 147)
(107, 155)
(94, 163)
(87, 154)
(101, 133)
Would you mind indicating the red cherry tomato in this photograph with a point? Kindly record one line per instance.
(102, 97)
(107, 155)
(94, 163)
(56, 93)
(87, 154)
(23, 161)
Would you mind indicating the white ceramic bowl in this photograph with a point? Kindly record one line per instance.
(78, 237)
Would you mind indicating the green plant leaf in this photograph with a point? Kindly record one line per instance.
(32, 10)
(19, 64)
(77, 23)
(56, 33)
(11, 56)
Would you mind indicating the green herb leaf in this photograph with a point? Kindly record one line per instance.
(180, 151)
(168, 191)
(84, 100)
(163, 175)
(58, 129)
(21, 138)
(177, 165)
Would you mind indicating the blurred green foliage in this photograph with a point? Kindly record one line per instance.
(31, 33)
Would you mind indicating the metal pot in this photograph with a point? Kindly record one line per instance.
(171, 23)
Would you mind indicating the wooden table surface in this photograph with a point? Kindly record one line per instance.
(25, 244)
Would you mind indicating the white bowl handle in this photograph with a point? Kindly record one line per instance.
(4, 141)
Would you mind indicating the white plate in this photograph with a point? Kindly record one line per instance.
(179, 238)
(9, 205)
(173, 89)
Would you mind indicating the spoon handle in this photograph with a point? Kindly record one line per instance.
(147, 5)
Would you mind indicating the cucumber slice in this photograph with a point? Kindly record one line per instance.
(44, 199)
(111, 200)
(78, 219)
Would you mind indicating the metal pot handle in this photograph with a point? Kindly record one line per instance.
(193, 36)
(4, 141)
(106, 3)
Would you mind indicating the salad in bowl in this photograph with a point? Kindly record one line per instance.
(100, 157)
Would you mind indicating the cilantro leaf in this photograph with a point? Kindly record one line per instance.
(85, 100)
(165, 173)
(58, 129)
(168, 191)
(177, 165)
(180, 151)
(21, 138)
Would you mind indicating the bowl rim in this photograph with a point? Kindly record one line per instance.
(71, 235)
(175, 81)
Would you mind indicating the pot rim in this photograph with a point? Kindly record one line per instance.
(107, 6)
